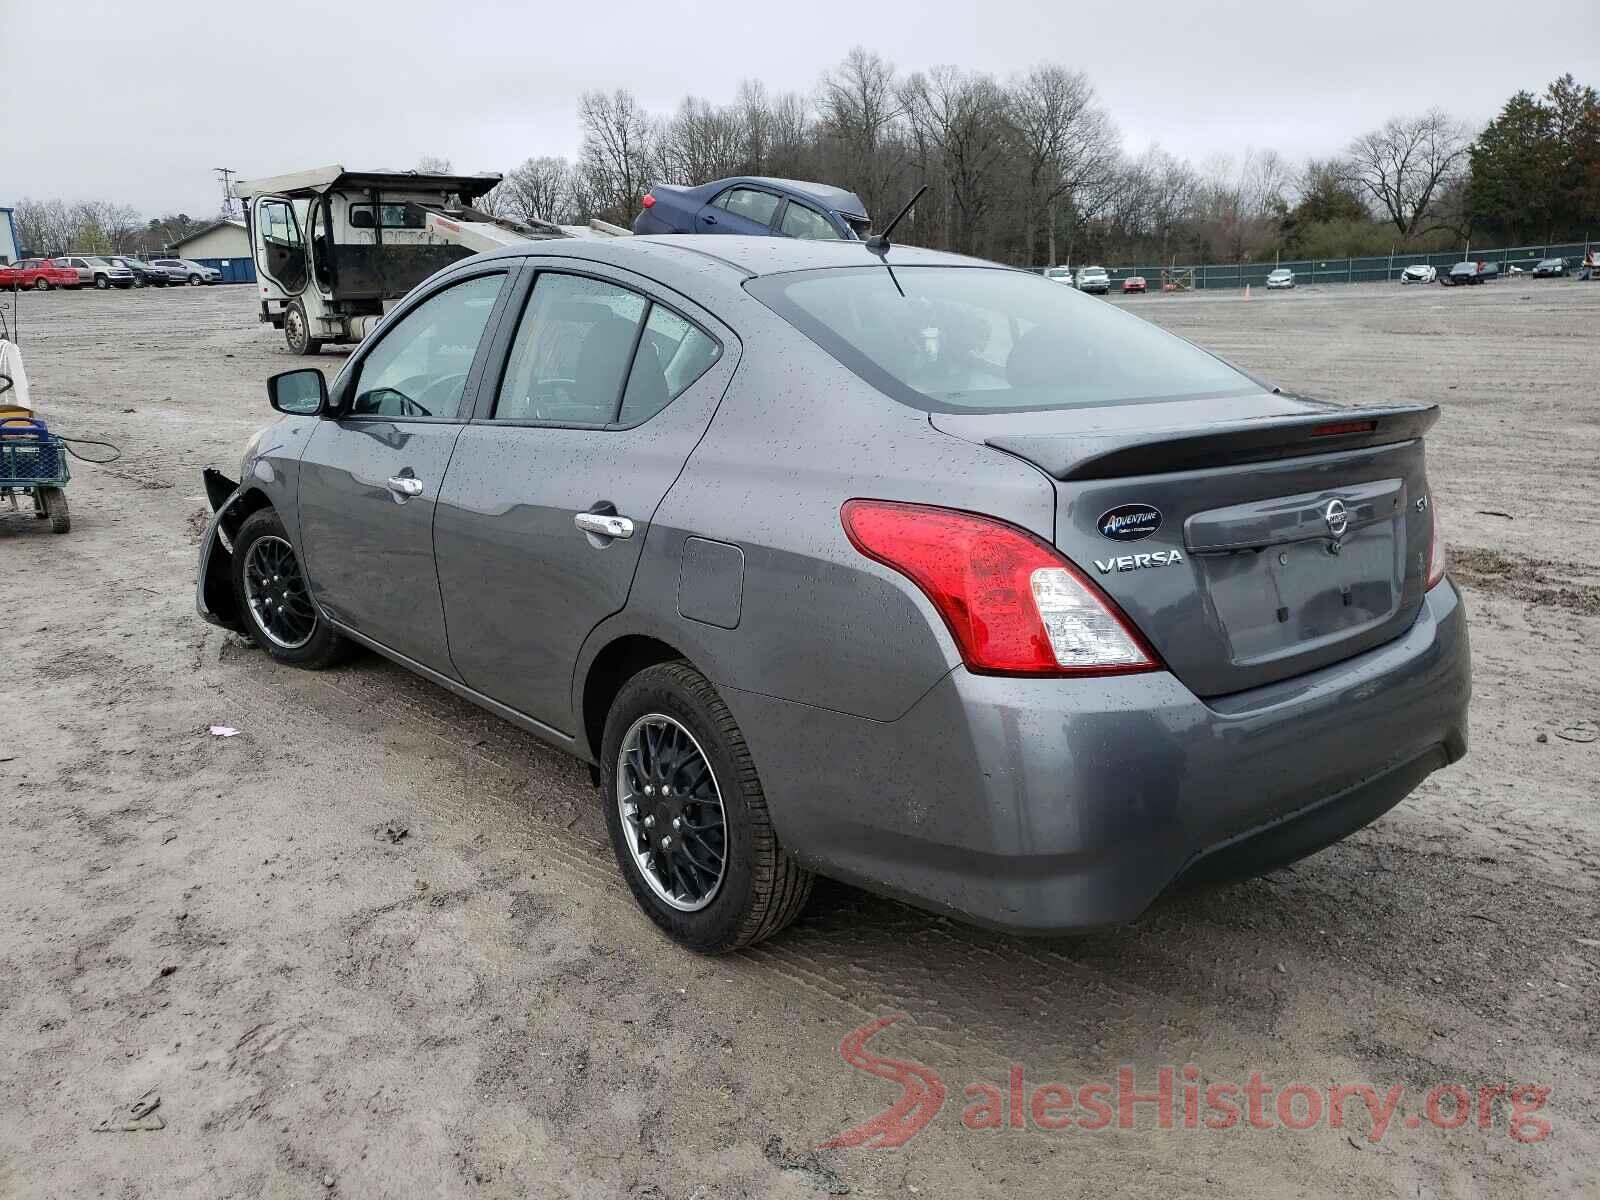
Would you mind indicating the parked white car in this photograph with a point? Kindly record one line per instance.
(1094, 279)
(1059, 275)
(1419, 273)
(1281, 277)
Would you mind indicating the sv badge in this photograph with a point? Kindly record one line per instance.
(1138, 562)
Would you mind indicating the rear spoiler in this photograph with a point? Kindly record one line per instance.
(1225, 444)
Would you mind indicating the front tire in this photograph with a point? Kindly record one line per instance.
(297, 331)
(688, 818)
(101, 283)
(274, 599)
(195, 281)
(41, 284)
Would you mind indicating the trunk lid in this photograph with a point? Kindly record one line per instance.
(1250, 540)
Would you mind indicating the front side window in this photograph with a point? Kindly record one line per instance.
(750, 204)
(420, 367)
(282, 242)
(968, 339)
(802, 222)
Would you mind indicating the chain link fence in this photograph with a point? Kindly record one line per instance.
(1379, 269)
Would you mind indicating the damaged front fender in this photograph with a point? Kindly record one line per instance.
(214, 597)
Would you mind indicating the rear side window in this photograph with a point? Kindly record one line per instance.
(750, 204)
(580, 356)
(973, 339)
(802, 222)
(673, 353)
(571, 352)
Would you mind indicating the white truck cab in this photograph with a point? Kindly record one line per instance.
(335, 249)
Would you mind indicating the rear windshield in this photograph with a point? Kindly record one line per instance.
(976, 339)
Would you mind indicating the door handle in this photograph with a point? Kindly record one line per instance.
(709, 219)
(405, 485)
(603, 524)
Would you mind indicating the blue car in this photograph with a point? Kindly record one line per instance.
(750, 204)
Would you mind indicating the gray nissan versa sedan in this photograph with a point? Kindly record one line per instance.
(902, 568)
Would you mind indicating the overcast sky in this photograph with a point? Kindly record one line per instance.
(137, 100)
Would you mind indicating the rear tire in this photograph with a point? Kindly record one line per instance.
(55, 507)
(262, 541)
(41, 284)
(297, 331)
(760, 889)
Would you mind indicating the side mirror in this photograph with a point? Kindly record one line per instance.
(302, 393)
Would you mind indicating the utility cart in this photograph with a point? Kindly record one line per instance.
(33, 463)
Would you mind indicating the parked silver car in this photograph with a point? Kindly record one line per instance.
(185, 270)
(96, 272)
(1280, 277)
(915, 571)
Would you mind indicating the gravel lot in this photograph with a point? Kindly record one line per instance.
(376, 944)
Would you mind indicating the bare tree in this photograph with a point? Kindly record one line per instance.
(860, 111)
(1404, 166)
(87, 227)
(540, 189)
(959, 117)
(701, 143)
(791, 147)
(432, 164)
(1064, 143)
(615, 159)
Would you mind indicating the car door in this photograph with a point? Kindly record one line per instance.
(370, 474)
(741, 209)
(607, 384)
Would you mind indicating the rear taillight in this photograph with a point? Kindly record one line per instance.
(1012, 603)
(649, 200)
(1437, 559)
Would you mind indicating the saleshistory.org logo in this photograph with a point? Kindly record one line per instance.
(1176, 1098)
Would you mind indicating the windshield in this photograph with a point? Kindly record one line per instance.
(1282, 273)
(975, 339)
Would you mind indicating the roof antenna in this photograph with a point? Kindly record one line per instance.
(879, 243)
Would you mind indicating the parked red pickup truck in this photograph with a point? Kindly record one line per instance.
(39, 273)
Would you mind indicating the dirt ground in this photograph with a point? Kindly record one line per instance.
(376, 945)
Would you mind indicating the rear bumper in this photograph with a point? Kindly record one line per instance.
(1052, 805)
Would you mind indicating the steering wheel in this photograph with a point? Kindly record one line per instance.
(389, 402)
(443, 389)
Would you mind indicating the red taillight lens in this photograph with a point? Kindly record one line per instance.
(1013, 605)
(649, 200)
(1437, 559)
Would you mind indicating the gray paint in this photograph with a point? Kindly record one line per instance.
(1027, 803)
